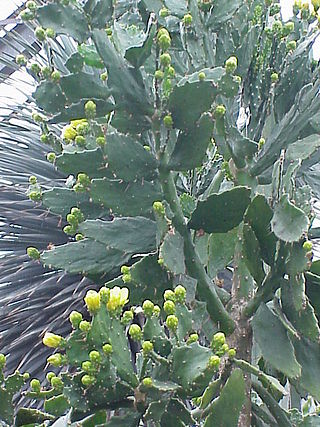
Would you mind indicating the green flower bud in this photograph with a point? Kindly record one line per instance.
(232, 353)
(164, 12)
(187, 19)
(147, 307)
(161, 261)
(107, 349)
(51, 157)
(50, 33)
(167, 121)
(169, 307)
(79, 188)
(31, 5)
(26, 376)
(158, 75)
(33, 253)
(156, 311)
(35, 385)
(159, 208)
(75, 318)
(57, 383)
(92, 301)
(88, 380)
(109, 32)
(225, 348)
(79, 237)
(147, 382)
(104, 294)
(291, 45)
(88, 367)
(180, 294)
(21, 60)
(274, 77)
(164, 42)
(2, 361)
(218, 340)
(161, 32)
(44, 138)
(55, 76)
(80, 140)
(104, 76)
(205, 5)
(171, 71)
(77, 213)
(146, 147)
(231, 65)
(214, 362)
(72, 220)
(147, 347)
(40, 34)
(35, 196)
(126, 278)
(56, 360)
(32, 180)
(125, 269)
(135, 332)
(82, 128)
(274, 9)
(169, 295)
(95, 356)
(83, 179)
(52, 340)
(262, 141)
(201, 76)
(27, 15)
(172, 322)
(49, 376)
(165, 60)
(307, 246)
(220, 111)
(46, 72)
(69, 230)
(35, 68)
(192, 338)
(84, 326)
(101, 141)
(90, 109)
(288, 28)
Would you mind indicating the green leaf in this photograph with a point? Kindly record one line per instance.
(61, 200)
(172, 252)
(222, 12)
(81, 86)
(221, 212)
(308, 355)
(221, 250)
(251, 246)
(258, 216)
(303, 148)
(189, 100)
(169, 413)
(274, 342)
(90, 56)
(297, 308)
(76, 111)
(49, 96)
(289, 223)
(64, 20)
(125, 82)
(191, 146)
(130, 235)
(86, 256)
(91, 162)
(128, 159)
(226, 409)
(190, 368)
(130, 419)
(56, 405)
(137, 55)
(27, 416)
(100, 12)
(123, 198)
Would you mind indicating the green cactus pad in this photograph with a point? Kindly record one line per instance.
(172, 253)
(221, 250)
(191, 146)
(221, 212)
(56, 405)
(91, 162)
(274, 342)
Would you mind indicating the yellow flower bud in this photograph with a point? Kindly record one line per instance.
(118, 298)
(52, 340)
(92, 300)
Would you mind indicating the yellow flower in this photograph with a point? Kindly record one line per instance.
(92, 300)
(69, 133)
(118, 298)
(52, 340)
(75, 123)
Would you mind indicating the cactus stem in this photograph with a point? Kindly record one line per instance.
(205, 291)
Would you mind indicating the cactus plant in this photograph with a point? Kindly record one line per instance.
(168, 184)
